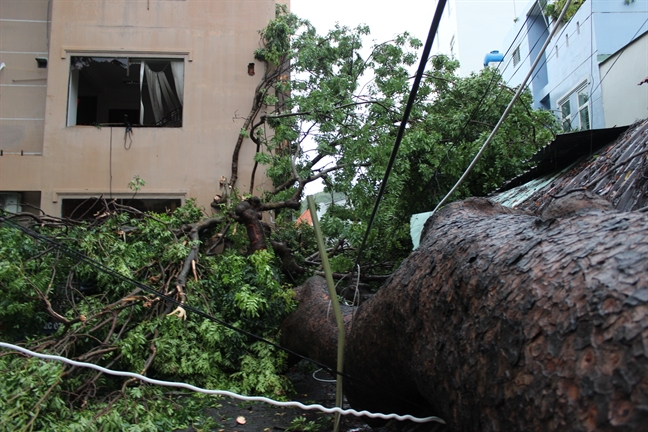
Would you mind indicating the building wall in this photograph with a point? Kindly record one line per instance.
(215, 40)
(478, 27)
(624, 100)
(571, 62)
(23, 89)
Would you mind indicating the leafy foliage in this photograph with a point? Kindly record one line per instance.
(340, 116)
(103, 319)
(554, 8)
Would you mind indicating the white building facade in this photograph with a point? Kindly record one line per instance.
(469, 29)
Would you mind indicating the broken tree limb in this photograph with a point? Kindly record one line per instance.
(311, 330)
(249, 212)
(503, 321)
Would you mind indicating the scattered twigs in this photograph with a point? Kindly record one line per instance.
(50, 310)
(96, 353)
(193, 231)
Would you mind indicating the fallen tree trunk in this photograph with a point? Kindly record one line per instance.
(505, 321)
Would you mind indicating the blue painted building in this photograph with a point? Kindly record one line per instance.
(568, 79)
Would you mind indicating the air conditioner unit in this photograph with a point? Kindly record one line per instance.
(10, 202)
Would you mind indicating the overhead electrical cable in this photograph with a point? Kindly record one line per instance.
(479, 104)
(476, 111)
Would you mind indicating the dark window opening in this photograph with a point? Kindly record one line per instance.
(516, 56)
(119, 91)
(89, 208)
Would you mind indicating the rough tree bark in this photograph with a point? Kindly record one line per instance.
(249, 212)
(506, 321)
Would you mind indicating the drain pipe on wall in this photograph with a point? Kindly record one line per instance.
(336, 308)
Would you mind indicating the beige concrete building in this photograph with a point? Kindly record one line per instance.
(94, 93)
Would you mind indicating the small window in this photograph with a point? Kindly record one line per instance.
(566, 40)
(577, 27)
(565, 114)
(556, 50)
(452, 45)
(118, 91)
(583, 108)
(575, 109)
(516, 56)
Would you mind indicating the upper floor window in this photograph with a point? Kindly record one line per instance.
(575, 109)
(118, 91)
(452, 46)
(516, 56)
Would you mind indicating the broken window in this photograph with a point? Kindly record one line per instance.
(119, 91)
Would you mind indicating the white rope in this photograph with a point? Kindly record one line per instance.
(225, 392)
(322, 380)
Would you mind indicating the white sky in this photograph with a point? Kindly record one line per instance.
(385, 18)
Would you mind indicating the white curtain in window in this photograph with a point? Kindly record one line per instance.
(154, 92)
(73, 97)
(142, 66)
(160, 92)
(177, 67)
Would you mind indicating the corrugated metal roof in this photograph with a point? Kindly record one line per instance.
(615, 169)
(564, 151)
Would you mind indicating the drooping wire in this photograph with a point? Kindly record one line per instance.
(477, 109)
(223, 392)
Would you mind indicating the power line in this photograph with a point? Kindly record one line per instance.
(107, 270)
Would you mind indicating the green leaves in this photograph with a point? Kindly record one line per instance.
(114, 325)
(345, 108)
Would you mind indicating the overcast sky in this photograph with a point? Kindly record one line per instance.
(384, 18)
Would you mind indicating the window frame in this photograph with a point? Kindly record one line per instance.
(517, 58)
(578, 109)
(184, 56)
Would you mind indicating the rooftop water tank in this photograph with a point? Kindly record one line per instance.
(493, 56)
